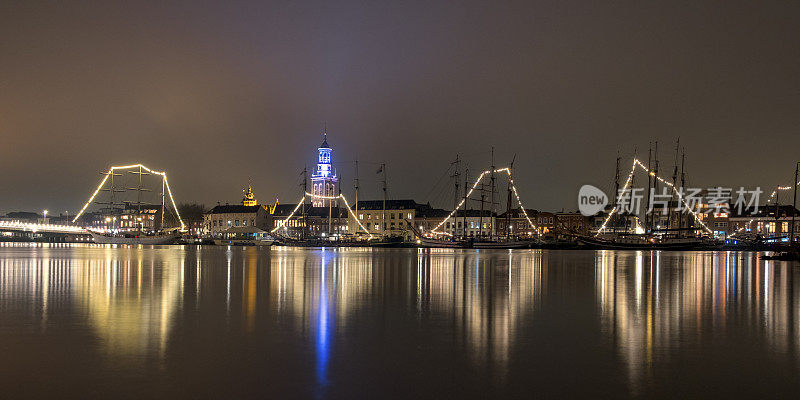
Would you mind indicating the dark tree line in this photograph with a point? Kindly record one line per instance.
(191, 213)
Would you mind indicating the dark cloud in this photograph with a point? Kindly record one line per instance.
(217, 94)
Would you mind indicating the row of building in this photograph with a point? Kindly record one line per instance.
(394, 218)
(324, 214)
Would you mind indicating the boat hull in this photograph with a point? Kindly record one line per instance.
(689, 244)
(512, 244)
(243, 242)
(158, 239)
(434, 243)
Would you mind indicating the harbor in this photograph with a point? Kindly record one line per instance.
(392, 199)
(486, 213)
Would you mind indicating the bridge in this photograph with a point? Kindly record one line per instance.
(20, 226)
(38, 232)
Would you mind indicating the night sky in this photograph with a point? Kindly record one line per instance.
(221, 92)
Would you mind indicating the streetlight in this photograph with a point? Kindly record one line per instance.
(44, 220)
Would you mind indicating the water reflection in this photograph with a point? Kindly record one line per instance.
(128, 302)
(328, 316)
(654, 303)
(486, 296)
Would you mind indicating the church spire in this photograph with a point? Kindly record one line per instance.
(325, 137)
(249, 198)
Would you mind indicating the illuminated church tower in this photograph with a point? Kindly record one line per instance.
(249, 198)
(324, 179)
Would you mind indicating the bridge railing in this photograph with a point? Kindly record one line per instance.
(36, 227)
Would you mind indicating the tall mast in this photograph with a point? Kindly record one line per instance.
(455, 177)
(466, 184)
(139, 194)
(492, 209)
(339, 209)
(383, 214)
(683, 186)
(794, 202)
(649, 182)
(139, 191)
(508, 200)
(777, 207)
(480, 219)
(356, 185)
(674, 181)
(112, 190)
(303, 206)
(163, 180)
(330, 208)
(655, 185)
(616, 190)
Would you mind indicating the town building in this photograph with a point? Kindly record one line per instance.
(428, 218)
(513, 223)
(144, 217)
(248, 213)
(770, 221)
(393, 221)
(306, 221)
(22, 216)
(474, 223)
(572, 222)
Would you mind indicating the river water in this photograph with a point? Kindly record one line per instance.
(88, 321)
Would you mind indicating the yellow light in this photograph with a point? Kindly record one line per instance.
(111, 171)
(636, 163)
(507, 170)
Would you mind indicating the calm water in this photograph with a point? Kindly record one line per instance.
(213, 322)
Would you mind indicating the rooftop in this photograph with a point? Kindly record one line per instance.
(390, 205)
(283, 210)
(234, 209)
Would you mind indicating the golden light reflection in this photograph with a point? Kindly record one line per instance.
(483, 304)
(691, 297)
(488, 296)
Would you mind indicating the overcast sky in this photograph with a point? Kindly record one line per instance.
(217, 93)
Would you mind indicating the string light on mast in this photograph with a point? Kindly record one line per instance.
(638, 163)
(507, 170)
(285, 221)
(124, 167)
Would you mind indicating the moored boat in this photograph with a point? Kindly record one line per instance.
(441, 243)
(135, 237)
(503, 244)
(244, 236)
(641, 242)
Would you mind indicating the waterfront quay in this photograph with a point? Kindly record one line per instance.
(323, 216)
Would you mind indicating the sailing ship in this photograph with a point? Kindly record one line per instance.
(651, 236)
(441, 243)
(486, 236)
(133, 230)
(634, 241)
(501, 243)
